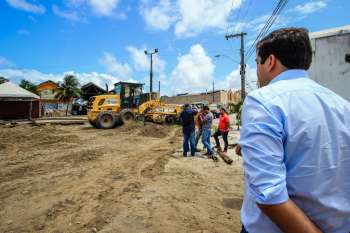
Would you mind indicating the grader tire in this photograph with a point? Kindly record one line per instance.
(93, 123)
(106, 120)
(127, 116)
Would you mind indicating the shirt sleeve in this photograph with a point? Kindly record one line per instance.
(261, 140)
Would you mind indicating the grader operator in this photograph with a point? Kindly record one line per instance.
(128, 104)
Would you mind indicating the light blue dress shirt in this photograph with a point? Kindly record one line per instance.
(295, 141)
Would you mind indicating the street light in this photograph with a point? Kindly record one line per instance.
(226, 56)
(151, 70)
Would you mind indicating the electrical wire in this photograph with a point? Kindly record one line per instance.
(276, 12)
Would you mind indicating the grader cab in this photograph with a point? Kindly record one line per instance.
(127, 104)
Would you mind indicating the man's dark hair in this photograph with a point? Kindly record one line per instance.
(206, 107)
(291, 46)
(186, 106)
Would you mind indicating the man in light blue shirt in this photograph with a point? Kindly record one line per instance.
(295, 143)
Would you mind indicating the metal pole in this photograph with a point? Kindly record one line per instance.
(159, 89)
(151, 71)
(151, 76)
(242, 68)
(213, 92)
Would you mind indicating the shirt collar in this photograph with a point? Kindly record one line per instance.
(289, 75)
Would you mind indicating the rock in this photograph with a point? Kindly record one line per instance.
(9, 222)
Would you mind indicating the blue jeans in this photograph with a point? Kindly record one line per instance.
(206, 134)
(189, 137)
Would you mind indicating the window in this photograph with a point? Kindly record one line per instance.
(101, 102)
(111, 101)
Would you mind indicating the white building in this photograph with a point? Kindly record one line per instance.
(331, 59)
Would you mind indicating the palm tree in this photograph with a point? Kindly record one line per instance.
(3, 80)
(29, 86)
(68, 89)
(237, 108)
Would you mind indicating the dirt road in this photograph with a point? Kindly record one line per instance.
(129, 179)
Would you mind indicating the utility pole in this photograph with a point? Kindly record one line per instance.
(151, 71)
(213, 92)
(242, 71)
(159, 89)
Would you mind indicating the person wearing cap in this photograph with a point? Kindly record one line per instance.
(223, 129)
(188, 130)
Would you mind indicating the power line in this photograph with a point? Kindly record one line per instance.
(278, 9)
(263, 30)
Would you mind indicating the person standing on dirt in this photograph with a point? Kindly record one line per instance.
(206, 130)
(223, 129)
(188, 130)
(295, 144)
(198, 121)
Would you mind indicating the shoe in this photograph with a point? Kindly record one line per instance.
(206, 153)
(184, 155)
(217, 146)
(225, 151)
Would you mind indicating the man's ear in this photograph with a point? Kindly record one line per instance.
(271, 62)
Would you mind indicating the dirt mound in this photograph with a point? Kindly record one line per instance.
(146, 130)
(39, 136)
(154, 130)
(130, 127)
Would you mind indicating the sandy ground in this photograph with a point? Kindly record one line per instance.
(129, 179)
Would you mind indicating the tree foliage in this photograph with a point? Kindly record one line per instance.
(67, 90)
(3, 79)
(29, 86)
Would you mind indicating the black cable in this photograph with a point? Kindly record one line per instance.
(278, 9)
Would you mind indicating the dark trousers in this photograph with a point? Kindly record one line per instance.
(224, 136)
(243, 230)
(198, 136)
(189, 138)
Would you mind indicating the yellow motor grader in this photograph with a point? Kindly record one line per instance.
(129, 104)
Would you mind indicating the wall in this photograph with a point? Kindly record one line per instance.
(219, 97)
(328, 63)
(47, 90)
(18, 109)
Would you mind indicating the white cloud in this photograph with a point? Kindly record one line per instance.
(197, 15)
(142, 61)
(104, 7)
(99, 7)
(310, 7)
(194, 71)
(139, 58)
(37, 77)
(26, 6)
(190, 17)
(159, 16)
(70, 15)
(5, 62)
(233, 80)
(113, 66)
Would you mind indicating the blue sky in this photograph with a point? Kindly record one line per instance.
(103, 41)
